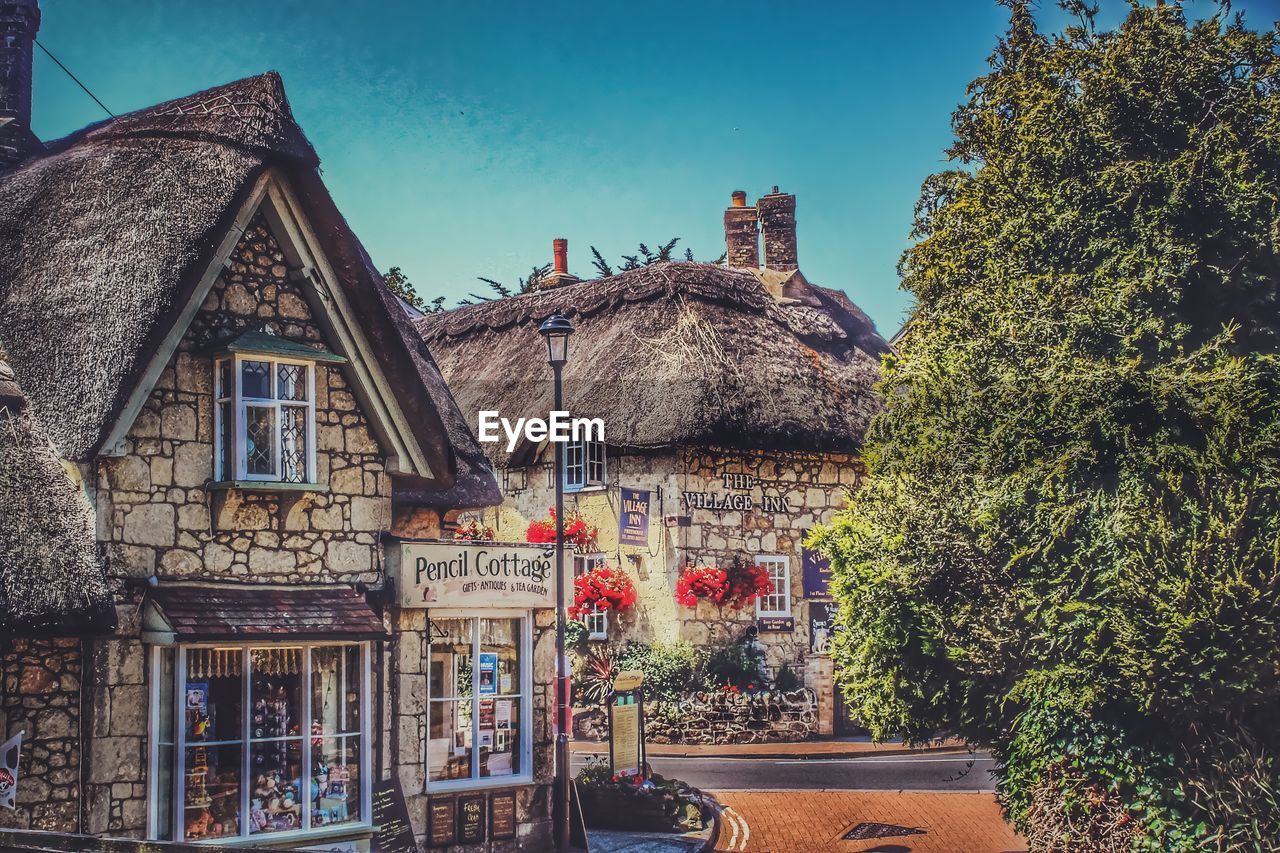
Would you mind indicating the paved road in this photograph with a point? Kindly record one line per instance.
(931, 771)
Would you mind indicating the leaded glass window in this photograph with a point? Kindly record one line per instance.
(264, 417)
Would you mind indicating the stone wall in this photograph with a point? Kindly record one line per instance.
(41, 699)
(788, 492)
(152, 505)
(156, 516)
(718, 717)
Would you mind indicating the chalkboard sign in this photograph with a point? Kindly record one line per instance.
(441, 828)
(502, 816)
(395, 833)
(471, 820)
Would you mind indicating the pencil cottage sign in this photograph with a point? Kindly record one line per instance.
(457, 574)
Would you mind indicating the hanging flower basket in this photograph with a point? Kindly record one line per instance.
(474, 532)
(602, 588)
(577, 533)
(737, 586)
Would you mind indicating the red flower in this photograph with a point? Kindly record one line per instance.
(577, 532)
(737, 586)
(603, 588)
(474, 533)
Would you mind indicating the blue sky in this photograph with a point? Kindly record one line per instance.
(460, 138)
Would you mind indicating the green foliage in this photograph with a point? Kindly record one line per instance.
(739, 665)
(1069, 544)
(669, 668)
(786, 680)
(526, 284)
(399, 284)
(643, 257)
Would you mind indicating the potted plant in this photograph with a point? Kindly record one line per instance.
(737, 586)
(577, 532)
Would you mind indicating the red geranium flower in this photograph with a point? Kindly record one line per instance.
(602, 588)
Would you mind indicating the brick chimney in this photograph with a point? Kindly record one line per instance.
(741, 237)
(778, 230)
(19, 20)
(560, 265)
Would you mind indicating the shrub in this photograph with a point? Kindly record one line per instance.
(669, 668)
(786, 680)
(738, 665)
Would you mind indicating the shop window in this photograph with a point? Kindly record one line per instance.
(479, 687)
(584, 465)
(778, 601)
(597, 621)
(256, 741)
(264, 419)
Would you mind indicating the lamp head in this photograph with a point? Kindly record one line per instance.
(556, 329)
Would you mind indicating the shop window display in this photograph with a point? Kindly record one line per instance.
(242, 774)
(477, 688)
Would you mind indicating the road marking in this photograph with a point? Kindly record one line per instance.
(885, 760)
(737, 840)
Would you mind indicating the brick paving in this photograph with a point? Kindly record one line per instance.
(814, 821)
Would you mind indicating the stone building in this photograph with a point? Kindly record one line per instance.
(243, 436)
(734, 397)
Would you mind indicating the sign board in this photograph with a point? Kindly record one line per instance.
(442, 829)
(775, 624)
(488, 673)
(467, 574)
(625, 736)
(471, 819)
(822, 625)
(395, 833)
(628, 680)
(502, 816)
(633, 520)
(817, 573)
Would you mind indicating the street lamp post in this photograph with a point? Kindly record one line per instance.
(556, 329)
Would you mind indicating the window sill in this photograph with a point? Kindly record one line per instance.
(483, 784)
(345, 832)
(264, 486)
(570, 490)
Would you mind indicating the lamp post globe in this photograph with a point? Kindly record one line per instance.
(556, 329)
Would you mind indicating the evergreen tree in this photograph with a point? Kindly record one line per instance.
(1068, 545)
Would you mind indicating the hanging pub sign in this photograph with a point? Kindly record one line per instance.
(817, 573)
(633, 521)
(463, 574)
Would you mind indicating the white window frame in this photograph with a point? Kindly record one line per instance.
(597, 621)
(478, 782)
(239, 408)
(179, 746)
(586, 465)
(770, 562)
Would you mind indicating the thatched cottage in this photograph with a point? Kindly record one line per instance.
(735, 398)
(227, 434)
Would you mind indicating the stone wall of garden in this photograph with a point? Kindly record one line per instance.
(41, 699)
(718, 717)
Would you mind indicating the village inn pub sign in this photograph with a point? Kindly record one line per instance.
(475, 575)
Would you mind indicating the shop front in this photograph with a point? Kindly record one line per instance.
(486, 613)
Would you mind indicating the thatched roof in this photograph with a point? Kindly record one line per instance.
(104, 234)
(675, 353)
(51, 579)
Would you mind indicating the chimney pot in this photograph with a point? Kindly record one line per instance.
(739, 198)
(560, 251)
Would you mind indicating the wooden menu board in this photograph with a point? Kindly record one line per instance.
(395, 833)
(471, 819)
(442, 830)
(502, 816)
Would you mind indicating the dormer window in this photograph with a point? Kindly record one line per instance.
(265, 411)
